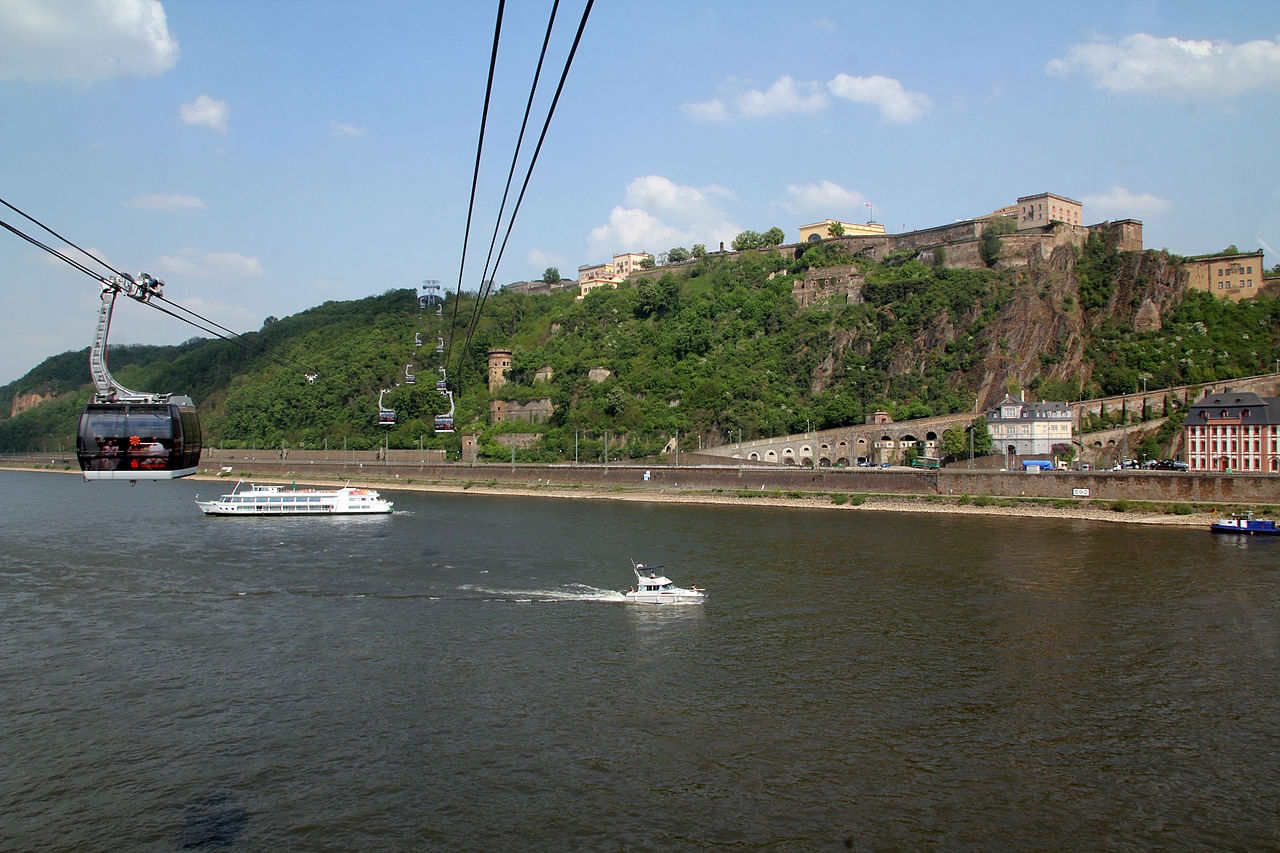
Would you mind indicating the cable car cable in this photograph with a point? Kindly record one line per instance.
(586, 12)
(33, 241)
(524, 123)
(236, 339)
(475, 175)
(60, 237)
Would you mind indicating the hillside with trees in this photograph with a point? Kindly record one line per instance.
(716, 351)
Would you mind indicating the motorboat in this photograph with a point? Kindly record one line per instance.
(653, 587)
(259, 500)
(1245, 523)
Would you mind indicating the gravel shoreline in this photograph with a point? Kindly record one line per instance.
(873, 503)
(1022, 508)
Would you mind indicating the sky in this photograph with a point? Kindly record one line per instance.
(262, 158)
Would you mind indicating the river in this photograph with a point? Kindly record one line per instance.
(462, 675)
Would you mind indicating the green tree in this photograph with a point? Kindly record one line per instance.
(746, 240)
(677, 254)
(989, 244)
(646, 263)
(1096, 271)
(835, 229)
(773, 237)
(981, 437)
(699, 250)
(955, 442)
(551, 275)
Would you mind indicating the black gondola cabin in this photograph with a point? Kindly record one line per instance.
(139, 441)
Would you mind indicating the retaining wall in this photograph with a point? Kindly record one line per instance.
(1155, 486)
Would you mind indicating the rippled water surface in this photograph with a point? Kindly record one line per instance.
(462, 675)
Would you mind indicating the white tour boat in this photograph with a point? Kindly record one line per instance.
(655, 588)
(277, 500)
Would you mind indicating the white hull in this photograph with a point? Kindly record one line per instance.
(653, 588)
(683, 596)
(257, 501)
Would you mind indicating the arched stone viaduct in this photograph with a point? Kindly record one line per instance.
(885, 441)
(877, 443)
(1266, 384)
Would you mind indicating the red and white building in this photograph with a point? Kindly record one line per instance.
(1236, 431)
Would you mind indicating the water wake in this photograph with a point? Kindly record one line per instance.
(569, 592)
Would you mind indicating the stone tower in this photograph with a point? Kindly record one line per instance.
(499, 364)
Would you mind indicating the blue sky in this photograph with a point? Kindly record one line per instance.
(265, 157)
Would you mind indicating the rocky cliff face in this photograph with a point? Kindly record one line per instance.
(23, 402)
(1042, 330)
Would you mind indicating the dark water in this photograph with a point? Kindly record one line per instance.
(460, 676)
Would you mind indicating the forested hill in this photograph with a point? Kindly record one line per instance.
(717, 350)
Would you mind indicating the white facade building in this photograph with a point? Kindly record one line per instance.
(1028, 429)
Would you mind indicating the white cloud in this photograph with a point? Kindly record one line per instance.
(670, 200)
(662, 214)
(85, 41)
(825, 199)
(632, 230)
(784, 96)
(189, 262)
(825, 24)
(712, 110)
(90, 257)
(166, 203)
(338, 128)
(207, 111)
(1174, 68)
(897, 105)
(228, 316)
(1118, 201)
(540, 258)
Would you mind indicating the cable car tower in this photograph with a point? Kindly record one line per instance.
(133, 435)
(430, 292)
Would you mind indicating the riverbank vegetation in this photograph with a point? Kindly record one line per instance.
(710, 352)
